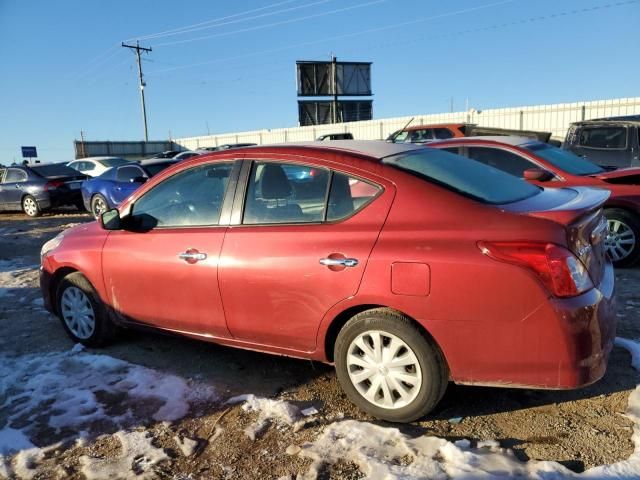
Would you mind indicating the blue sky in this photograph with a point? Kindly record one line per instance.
(63, 69)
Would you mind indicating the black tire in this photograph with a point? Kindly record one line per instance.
(623, 219)
(433, 368)
(104, 330)
(30, 206)
(99, 205)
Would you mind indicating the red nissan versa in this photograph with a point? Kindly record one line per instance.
(406, 266)
(550, 166)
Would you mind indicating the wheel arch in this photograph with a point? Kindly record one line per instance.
(56, 278)
(344, 316)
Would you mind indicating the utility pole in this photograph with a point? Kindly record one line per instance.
(138, 49)
(82, 152)
(334, 72)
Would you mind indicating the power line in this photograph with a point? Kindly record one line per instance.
(139, 49)
(167, 32)
(274, 24)
(218, 23)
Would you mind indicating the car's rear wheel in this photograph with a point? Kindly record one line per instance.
(623, 237)
(30, 206)
(389, 367)
(82, 313)
(98, 205)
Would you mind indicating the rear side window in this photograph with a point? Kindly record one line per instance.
(614, 138)
(501, 159)
(442, 133)
(15, 175)
(280, 193)
(127, 174)
(464, 176)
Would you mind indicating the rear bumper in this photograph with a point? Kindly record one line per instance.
(55, 198)
(564, 344)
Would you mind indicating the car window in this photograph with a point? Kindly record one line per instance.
(400, 138)
(603, 137)
(563, 159)
(74, 165)
(88, 166)
(128, 173)
(463, 176)
(53, 170)
(156, 168)
(285, 193)
(192, 197)
(455, 150)
(349, 195)
(501, 159)
(422, 135)
(442, 133)
(15, 175)
(113, 162)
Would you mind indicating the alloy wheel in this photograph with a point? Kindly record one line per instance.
(99, 207)
(77, 312)
(620, 240)
(384, 369)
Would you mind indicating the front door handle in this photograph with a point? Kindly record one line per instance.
(192, 256)
(339, 262)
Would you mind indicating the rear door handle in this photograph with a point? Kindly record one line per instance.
(339, 262)
(192, 256)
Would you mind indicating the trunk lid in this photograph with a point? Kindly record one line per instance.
(579, 210)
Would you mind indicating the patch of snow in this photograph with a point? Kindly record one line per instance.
(186, 445)
(78, 394)
(15, 274)
(138, 456)
(385, 453)
(269, 411)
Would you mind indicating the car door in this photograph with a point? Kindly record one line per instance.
(128, 180)
(13, 186)
(299, 241)
(162, 268)
(607, 146)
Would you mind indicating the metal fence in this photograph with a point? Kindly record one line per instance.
(553, 118)
(130, 150)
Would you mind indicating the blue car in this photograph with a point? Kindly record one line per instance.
(108, 190)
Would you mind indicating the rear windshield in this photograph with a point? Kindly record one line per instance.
(563, 159)
(464, 176)
(157, 167)
(113, 162)
(55, 170)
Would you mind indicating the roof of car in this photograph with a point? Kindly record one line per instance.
(370, 148)
(506, 139)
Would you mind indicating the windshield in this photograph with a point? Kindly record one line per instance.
(563, 159)
(156, 168)
(462, 175)
(113, 162)
(55, 170)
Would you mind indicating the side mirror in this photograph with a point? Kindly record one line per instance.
(138, 179)
(537, 175)
(110, 220)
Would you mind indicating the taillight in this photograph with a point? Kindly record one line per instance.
(52, 185)
(558, 269)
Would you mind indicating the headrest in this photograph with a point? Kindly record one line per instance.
(274, 183)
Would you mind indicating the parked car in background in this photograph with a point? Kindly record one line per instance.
(187, 154)
(95, 166)
(37, 188)
(334, 136)
(167, 154)
(109, 189)
(227, 146)
(550, 166)
(429, 133)
(609, 142)
(406, 266)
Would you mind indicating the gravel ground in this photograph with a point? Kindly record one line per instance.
(579, 429)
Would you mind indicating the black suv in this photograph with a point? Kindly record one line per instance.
(609, 142)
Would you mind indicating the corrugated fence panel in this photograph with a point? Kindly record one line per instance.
(553, 118)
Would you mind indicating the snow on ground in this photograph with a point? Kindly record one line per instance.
(72, 395)
(269, 411)
(14, 274)
(386, 453)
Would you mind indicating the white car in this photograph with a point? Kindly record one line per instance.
(94, 166)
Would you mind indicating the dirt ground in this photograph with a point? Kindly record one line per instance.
(579, 429)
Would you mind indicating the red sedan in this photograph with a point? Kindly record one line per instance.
(549, 166)
(405, 266)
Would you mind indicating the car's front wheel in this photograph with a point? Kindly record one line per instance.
(82, 313)
(98, 205)
(30, 206)
(389, 367)
(623, 237)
